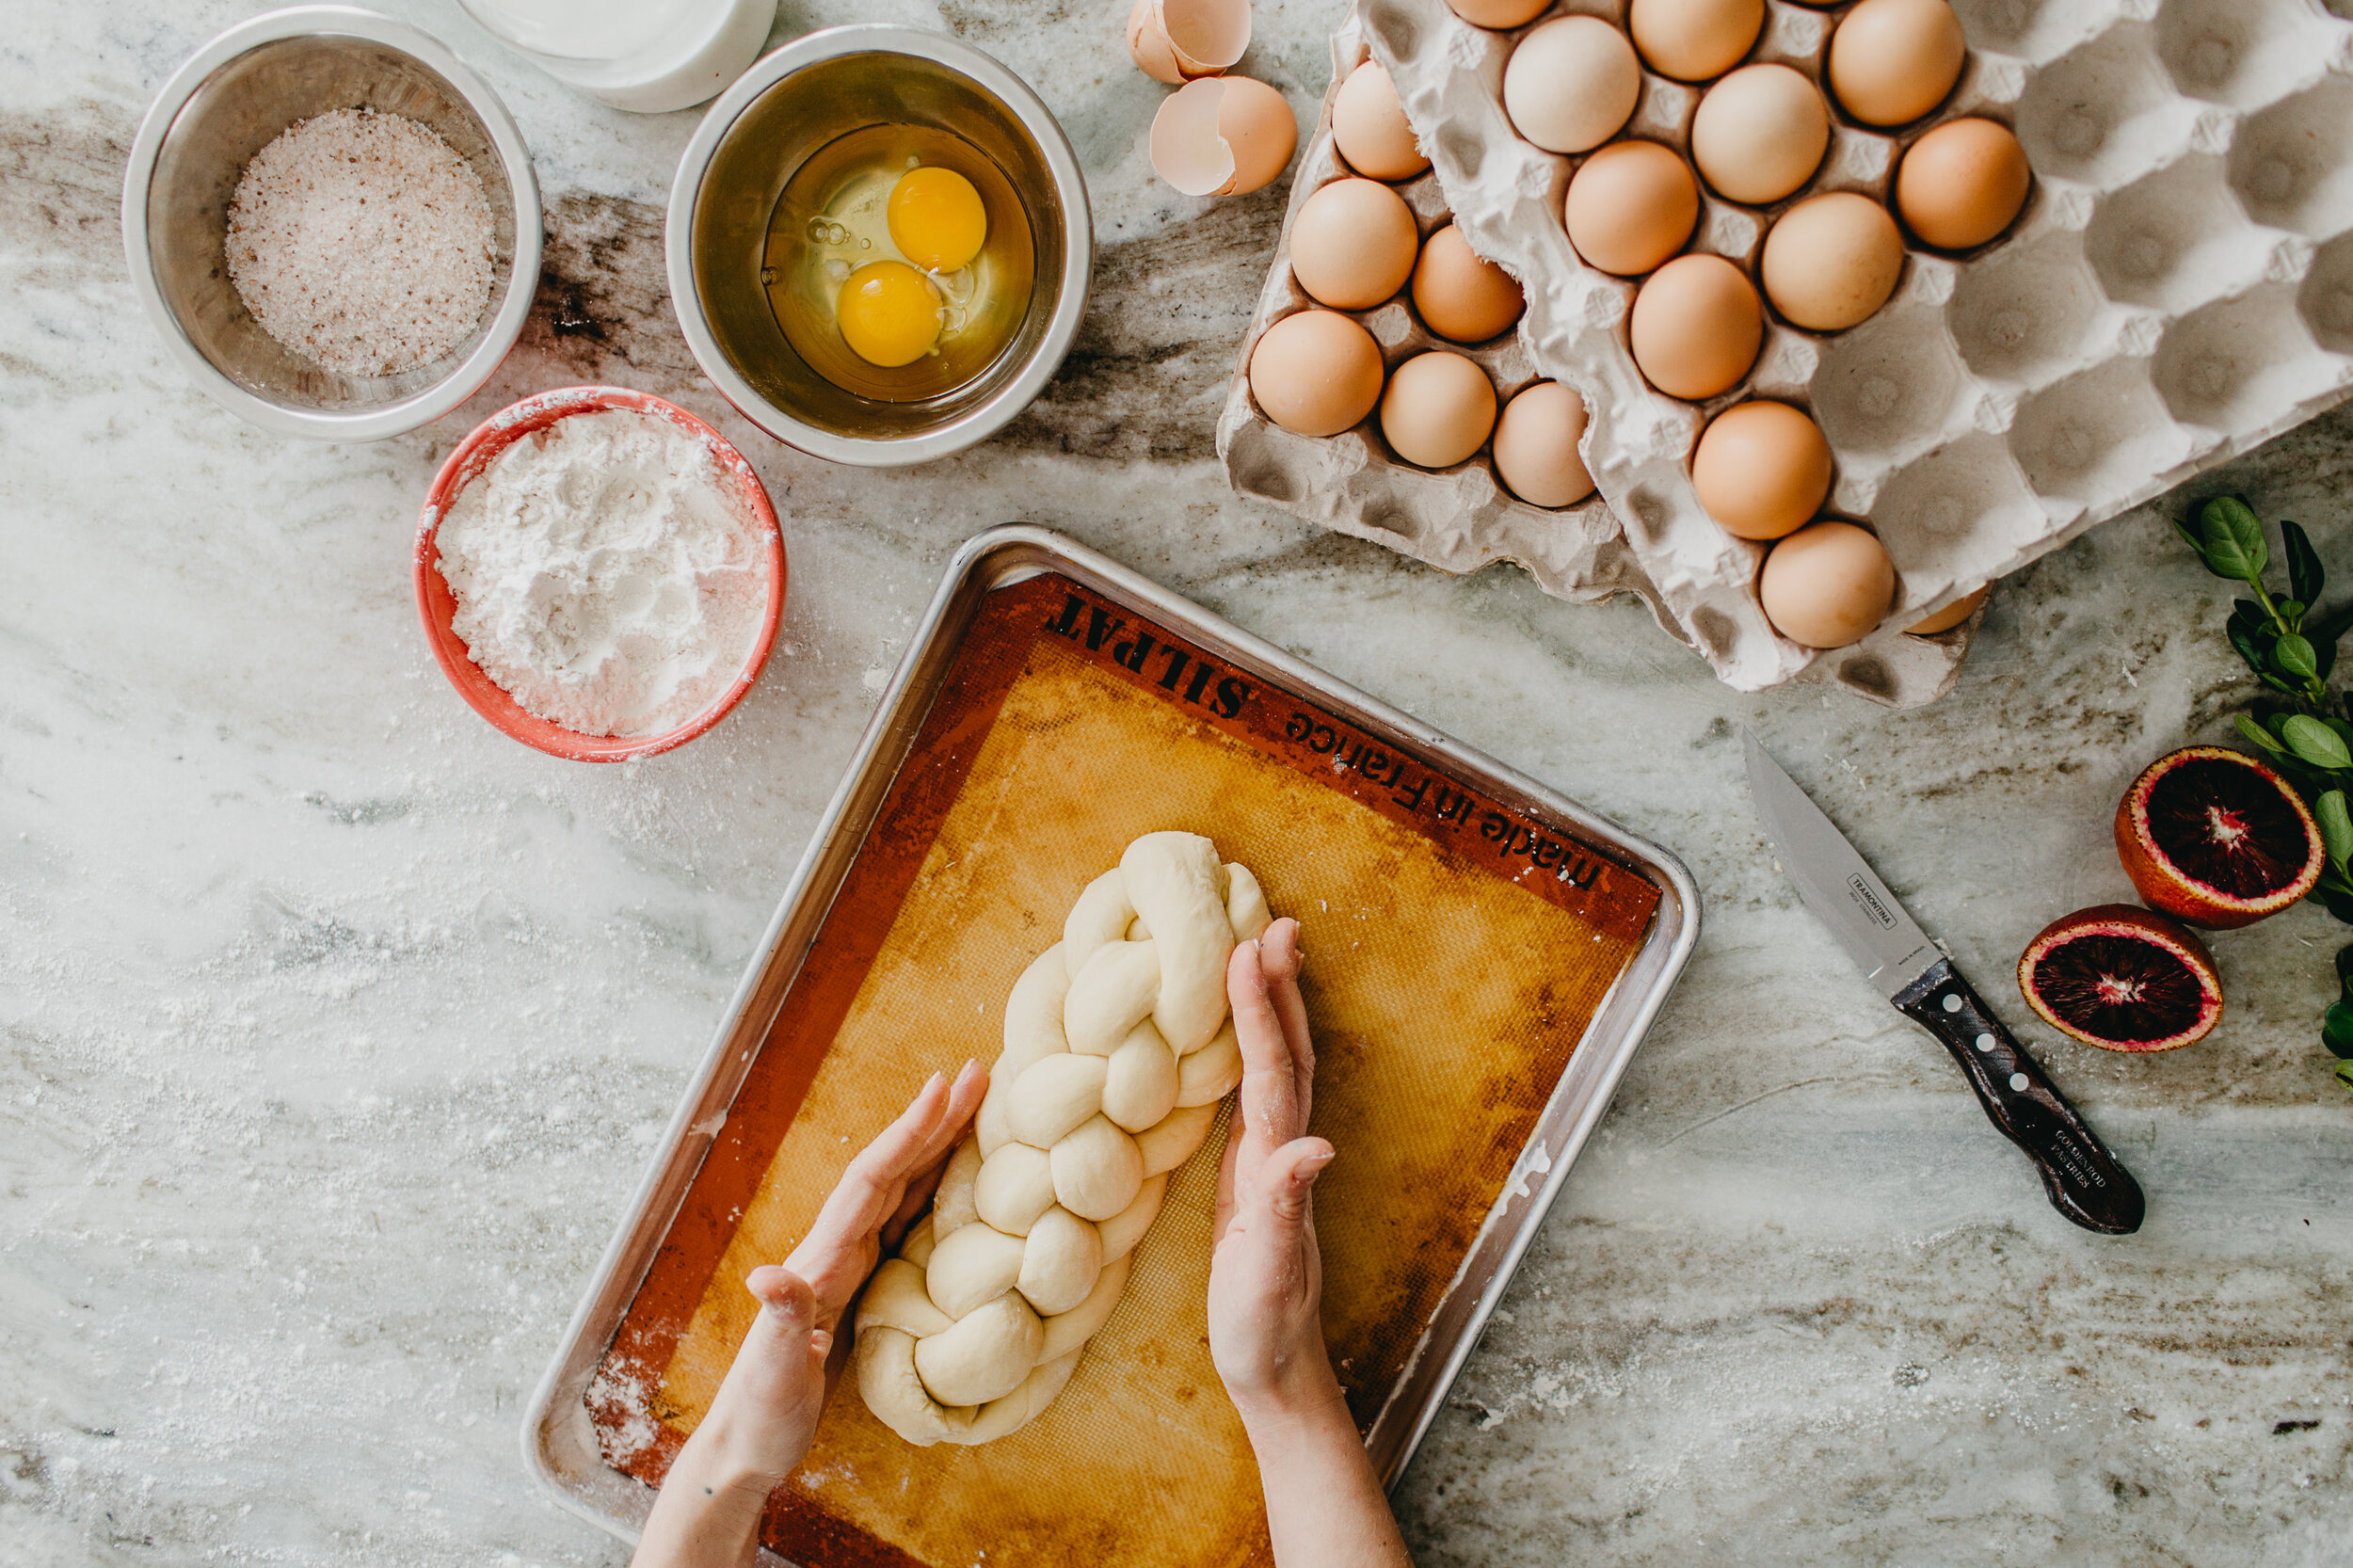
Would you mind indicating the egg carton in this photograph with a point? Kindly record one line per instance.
(2177, 289)
(1459, 519)
(1463, 519)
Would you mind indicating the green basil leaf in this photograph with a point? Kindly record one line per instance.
(2344, 1074)
(2316, 742)
(2344, 968)
(2231, 538)
(2305, 573)
(2291, 611)
(2293, 656)
(2276, 683)
(2256, 733)
(2338, 904)
(2344, 730)
(2336, 827)
(2336, 1029)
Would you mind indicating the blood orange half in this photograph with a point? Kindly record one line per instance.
(2216, 838)
(2120, 978)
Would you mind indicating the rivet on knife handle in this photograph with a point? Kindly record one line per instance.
(2085, 1182)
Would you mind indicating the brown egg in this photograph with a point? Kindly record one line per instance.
(1827, 585)
(1536, 440)
(1458, 296)
(1952, 614)
(1694, 40)
(1353, 244)
(1438, 410)
(1760, 133)
(1762, 470)
(1962, 184)
(1571, 84)
(1892, 61)
(1630, 206)
(1696, 327)
(1833, 260)
(1498, 13)
(1368, 126)
(1317, 373)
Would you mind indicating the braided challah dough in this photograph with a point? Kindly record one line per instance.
(1118, 1046)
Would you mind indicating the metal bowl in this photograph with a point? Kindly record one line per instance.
(789, 104)
(232, 99)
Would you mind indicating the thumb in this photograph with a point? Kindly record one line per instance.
(785, 1298)
(1288, 1178)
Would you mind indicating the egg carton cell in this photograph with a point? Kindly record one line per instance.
(2097, 434)
(2175, 239)
(2106, 112)
(2245, 363)
(2326, 299)
(2032, 311)
(2291, 164)
(2246, 52)
(1956, 516)
(1888, 391)
(2036, 31)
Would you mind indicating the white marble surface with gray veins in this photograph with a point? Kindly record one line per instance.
(335, 1026)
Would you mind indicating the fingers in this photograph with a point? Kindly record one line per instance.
(873, 1186)
(1222, 1215)
(964, 1098)
(1280, 960)
(1269, 1107)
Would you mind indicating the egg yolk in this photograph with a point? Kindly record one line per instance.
(936, 219)
(890, 314)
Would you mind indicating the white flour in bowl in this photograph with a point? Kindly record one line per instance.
(607, 573)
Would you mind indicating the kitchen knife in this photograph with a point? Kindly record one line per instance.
(2083, 1180)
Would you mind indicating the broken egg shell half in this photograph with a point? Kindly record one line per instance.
(1222, 136)
(1179, 40)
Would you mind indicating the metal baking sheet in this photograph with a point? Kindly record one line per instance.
(1031, 629)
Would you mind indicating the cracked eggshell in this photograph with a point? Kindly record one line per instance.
(1179, 40)
(1222, 136)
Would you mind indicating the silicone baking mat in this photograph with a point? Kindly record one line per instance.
(1457, 951)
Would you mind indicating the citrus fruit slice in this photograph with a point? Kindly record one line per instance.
(2120, 978)
(2217, 839)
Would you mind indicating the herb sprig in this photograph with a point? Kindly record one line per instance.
(2291, 645)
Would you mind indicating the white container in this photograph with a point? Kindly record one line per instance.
(648, 57)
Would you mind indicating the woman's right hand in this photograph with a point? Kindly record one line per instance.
(1323, 1503)
(1266, 1277)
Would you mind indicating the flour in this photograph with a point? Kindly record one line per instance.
(607, 575)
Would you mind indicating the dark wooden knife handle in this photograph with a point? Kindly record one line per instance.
(2085, 1182)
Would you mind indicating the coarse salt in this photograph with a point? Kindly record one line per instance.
(362, 241)
(608, 575)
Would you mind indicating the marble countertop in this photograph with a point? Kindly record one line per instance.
(334, 1027)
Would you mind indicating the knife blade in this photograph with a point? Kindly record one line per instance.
(2083, 1180)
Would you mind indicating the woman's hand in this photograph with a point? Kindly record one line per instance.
(1266, 1278)
(1324, 1506)
(762, 1418)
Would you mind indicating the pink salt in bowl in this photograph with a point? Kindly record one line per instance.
(436, 607)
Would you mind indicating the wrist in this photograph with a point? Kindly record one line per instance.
(1308, 1397)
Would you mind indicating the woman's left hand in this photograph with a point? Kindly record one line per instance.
(762, 1418)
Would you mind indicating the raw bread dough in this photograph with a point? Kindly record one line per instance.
(1118, 1046)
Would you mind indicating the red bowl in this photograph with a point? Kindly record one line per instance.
(436, 607)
